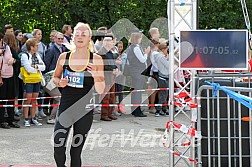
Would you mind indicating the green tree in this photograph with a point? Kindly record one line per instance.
(222, 13)
(53, 14)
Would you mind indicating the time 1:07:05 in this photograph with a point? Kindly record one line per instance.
(215, 50)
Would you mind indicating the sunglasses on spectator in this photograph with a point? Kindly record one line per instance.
(60, 38)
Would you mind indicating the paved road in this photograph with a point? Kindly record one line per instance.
(128, 141)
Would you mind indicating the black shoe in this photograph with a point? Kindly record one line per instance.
(14, 125)
(162, 113)
(46, 111)
(133, 113)
(16, 118)
(140, 115)
(5, 125)
(137, 111)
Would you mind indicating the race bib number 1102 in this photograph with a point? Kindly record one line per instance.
(75, 79)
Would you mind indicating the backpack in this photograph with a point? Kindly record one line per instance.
(20, 55)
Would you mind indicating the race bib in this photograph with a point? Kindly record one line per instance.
(75, 79)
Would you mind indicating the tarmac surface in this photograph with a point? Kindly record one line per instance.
(126, 142)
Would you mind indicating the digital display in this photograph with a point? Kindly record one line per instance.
(214, 49)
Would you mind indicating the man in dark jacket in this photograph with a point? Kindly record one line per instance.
(53, 52)
(110, 70)
(51, 57)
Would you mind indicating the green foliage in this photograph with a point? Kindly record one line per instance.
(53, 14)
(222, 13)
(27, 15)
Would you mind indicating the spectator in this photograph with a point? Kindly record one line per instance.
(97, 46)
(154, 33)
(137, 61)
(114, 50)
(110, 70)
(52, 38)
(51, 58)
(7, 84)
(19, 37)
(152, 81)
(32, 63)
(37, 33)
(8, 28)
(26, 36)
(120, 62)
(67, 31)
(163, 77)
(53, 52)
(99, 37)
(10, 39)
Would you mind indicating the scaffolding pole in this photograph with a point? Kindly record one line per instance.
(188, 20)
(170, 13)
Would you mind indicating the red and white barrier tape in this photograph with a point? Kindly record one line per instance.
(184, 129)
(37, 98)
(96, 105)
(185, 157)
(181, 95)
(129, 105)
(182, 143)
(132, 91)
(182, 103)
(192, 106)
(29, 105)
(178, 96)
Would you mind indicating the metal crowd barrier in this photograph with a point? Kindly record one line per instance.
(226, 129)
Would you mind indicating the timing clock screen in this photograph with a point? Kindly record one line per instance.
(214, 49)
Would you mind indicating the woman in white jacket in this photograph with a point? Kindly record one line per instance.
(32, 63)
